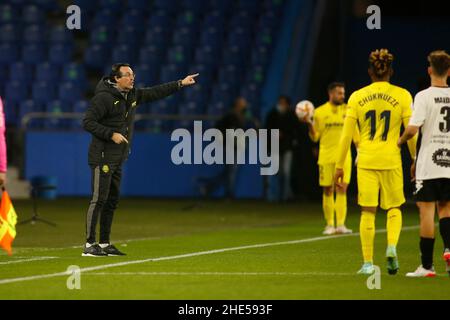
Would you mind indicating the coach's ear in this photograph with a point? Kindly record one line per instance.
(430, 71)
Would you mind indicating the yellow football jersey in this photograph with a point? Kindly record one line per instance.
(380, 109)
(328, 124)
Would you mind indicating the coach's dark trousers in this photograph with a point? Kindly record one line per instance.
(106, 191)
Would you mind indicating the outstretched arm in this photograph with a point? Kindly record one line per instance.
(164, 90)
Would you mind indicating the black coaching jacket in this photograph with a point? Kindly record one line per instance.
(110, 112)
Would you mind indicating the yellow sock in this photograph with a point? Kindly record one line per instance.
(367, 235)
(341, 208)
(328, 209)
(394, 226)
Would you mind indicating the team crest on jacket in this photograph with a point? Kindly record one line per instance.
(105, 168)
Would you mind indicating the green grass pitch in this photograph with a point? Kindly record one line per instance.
(214, 250)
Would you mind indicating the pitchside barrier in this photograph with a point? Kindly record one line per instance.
(149, 172)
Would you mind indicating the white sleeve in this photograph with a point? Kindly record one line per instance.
(419, 111)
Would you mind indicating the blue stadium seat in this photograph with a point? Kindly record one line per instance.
(11, 113)
(256, 74)
(179, 55)
(157, 36)
(251, 93)
(207, 56)
(8, 53)
(159, 19)
(47, 5)
(29, 106)
(223, 93)
(184, 37)
(268, 20)
(60, 54)
(34, 34)
(57, 107)
(235, 56)
(21, 72)
(217, 109)
(143, 5)
(260, 56)
(8, 14)
(206, 74)
(212, 37)
(249, 5)
(43, 92)
(124, 53)
(166, 5)
(80, 106)
(146, 74)
(102, 36)
(60, 35)
(32, 14)
(229, 73)
(46, 71)
(33, 54)
(188, 19)
(197, 6)
(69, 93)
(115, 5)
(130, 36)
(151, 55)
(96, 57)
(264, 37)
(170, 72)
(214, 19)
(86, 5)
(243, 19)
(106, 18)
(165, 106)
(133, 18)
(240, 37)
(197, 94)
(9, 33)
(224, 6)
(74, 72)
(16, 91)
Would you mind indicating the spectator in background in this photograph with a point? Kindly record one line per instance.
(3, 162)
(237, 118)
(283, 118)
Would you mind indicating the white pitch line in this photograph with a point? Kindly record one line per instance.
(217, 274)
(27, 260)
(188, 255)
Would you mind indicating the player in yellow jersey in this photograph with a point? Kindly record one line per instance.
(327, 128)
(379, 109)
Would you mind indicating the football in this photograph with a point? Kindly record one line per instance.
(304, 108)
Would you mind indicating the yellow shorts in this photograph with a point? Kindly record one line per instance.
(327, 171)
(388, 184)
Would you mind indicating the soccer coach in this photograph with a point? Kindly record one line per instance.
(109, 119)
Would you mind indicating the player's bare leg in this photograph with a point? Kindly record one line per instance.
(367, 235)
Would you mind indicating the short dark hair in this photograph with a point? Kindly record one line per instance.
(439, 62)
(335, 85)
(285, 98)
(115, 71)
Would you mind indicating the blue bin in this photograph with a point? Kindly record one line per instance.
(45, 187)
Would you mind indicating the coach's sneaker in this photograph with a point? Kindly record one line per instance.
(392, 260)
(367, 269)
(329, 230)
(111, 250)
(93, 250)
(343, 230)
(421, 272)
(447, 260)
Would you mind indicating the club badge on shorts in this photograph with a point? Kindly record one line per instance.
(105, 168)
